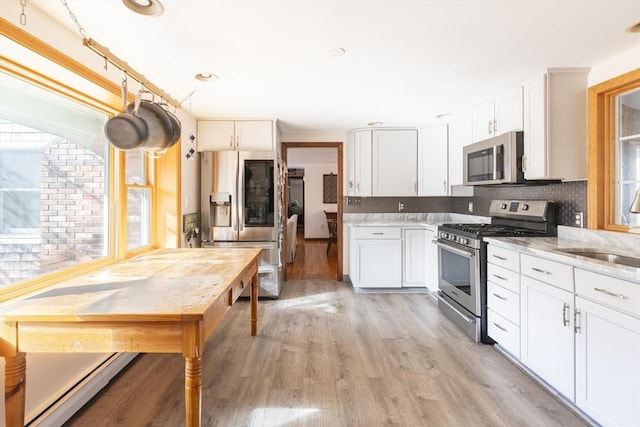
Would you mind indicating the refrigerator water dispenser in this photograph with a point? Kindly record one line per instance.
(220, 210)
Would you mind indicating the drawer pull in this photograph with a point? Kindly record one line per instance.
(499, 297)
(499, 277)
(539, 270)
(241, 284)
(612, 294)
(500, 257)
(499, 327)
(378, 233)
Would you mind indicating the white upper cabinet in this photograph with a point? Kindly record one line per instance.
(395, 166)
(359, 163)
(460, 134)
(238, 135)
(555, 125)
(433, 161)
(502, 114)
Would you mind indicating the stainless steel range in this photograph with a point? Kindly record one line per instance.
(462, 258)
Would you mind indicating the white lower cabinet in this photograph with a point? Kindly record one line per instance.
(431, 261)
(607, 348)
(547, 346)
(578, 331)
(376, 257)
(391, 257)
(415, 273)
(607, 364)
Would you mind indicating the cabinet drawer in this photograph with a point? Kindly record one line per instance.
(377, 232)
(504, 302)
(504, 333)
(503, 277)
(551, 272)
(503, 257)
(616, 293)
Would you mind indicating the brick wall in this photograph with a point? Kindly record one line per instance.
(72, 197)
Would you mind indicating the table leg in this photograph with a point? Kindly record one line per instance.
(15, 373)
(254, 304)
(193, 390)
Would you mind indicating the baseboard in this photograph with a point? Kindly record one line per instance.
(64, 408)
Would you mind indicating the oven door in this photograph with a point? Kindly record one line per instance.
(459, 275)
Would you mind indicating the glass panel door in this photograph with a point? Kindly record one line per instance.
(259, 193)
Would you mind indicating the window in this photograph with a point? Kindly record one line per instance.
(138, 185)
(54, 169)
(627, 122)
(614, 152)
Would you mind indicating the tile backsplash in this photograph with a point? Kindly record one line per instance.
(568, 196)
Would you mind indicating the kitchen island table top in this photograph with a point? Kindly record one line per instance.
(165, 301)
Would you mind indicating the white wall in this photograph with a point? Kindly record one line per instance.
(315, 222)
(615, 66)
(190, 173)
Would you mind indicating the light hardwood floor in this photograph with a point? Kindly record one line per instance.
(326, 356)
(313, 261)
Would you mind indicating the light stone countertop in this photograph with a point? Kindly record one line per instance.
(427, 220)
(553, 248)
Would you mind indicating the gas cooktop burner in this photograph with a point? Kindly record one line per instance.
(478, 229)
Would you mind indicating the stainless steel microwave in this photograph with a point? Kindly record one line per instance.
(497, 160)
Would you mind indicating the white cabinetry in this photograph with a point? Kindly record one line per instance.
(395, 166)
(547, 334)
(359, 163)
(376, 257)
(415, 273)
(607, 348)
(500, 115)
(460, 134)
(555, 125)
(503, 298)
(431, 261)
(547, 308)
(239, 135)
(433, 161)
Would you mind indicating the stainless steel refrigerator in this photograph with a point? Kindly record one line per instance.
(242, 206)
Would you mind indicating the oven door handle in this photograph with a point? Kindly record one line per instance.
(462, 252)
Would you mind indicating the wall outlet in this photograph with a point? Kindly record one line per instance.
(578, 219)
(354, 201)
(471, 207)
(400, 206)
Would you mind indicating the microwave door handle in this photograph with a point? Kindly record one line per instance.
(495, 162)
(498, 162)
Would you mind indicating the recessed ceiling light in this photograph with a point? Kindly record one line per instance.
(207, 77)
(145, 7)
(634, 28)
(444, 115)
(336, 52)
(374, 123)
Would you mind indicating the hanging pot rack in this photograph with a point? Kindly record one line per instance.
(114, 60)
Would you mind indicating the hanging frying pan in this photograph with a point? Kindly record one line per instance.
(128, 131)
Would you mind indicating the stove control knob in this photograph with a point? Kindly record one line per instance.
(463, 241)
(503, 206)
(525, 207)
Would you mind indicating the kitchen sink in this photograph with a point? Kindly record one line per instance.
(609, 257)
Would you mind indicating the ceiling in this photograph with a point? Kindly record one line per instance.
(405, 61)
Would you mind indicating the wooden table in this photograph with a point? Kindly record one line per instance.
(165, 301)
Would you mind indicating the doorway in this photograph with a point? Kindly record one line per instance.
(311, 220)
